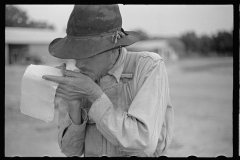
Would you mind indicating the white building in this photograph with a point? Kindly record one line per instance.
(162, 47)
(22, 43)
(29, 42)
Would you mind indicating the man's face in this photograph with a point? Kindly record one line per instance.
(94, 66)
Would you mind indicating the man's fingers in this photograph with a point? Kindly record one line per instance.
(63, 96)
(65, 90)
(69, 73)
(57, 79)
(60, 90)
(66, 97)
(64, 87)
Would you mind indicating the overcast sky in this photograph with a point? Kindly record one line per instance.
(156, 20)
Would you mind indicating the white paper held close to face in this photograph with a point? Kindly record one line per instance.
(37, 94)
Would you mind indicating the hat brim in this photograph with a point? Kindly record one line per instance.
(80, 48)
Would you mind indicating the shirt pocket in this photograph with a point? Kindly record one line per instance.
(119, 95)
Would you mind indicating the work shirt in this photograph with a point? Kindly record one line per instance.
(133, 117)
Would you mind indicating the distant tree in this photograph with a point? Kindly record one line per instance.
(15, 17)
(223, 42)
(191, 41)
(206, 44)
(143, 34)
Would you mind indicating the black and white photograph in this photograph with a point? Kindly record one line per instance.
(119, 80)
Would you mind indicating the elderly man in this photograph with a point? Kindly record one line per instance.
(117, 103)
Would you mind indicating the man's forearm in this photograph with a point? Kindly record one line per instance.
(75, 115)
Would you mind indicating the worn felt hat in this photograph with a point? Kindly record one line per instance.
(92, 29)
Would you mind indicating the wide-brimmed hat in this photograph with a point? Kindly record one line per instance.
(92, 29)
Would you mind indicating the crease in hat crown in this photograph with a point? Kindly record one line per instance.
(92, 29)
(94, 20)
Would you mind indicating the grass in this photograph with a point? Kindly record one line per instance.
(201, 94)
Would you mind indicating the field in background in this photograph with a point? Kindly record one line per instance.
(201, 94)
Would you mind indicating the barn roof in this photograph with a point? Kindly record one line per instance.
(20, 35)
(150, 44)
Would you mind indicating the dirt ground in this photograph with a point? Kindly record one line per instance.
(201, 94)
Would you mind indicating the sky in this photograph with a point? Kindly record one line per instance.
(155, 20)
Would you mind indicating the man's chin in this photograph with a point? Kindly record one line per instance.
(89, 75)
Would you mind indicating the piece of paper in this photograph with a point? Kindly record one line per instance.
(37, 94)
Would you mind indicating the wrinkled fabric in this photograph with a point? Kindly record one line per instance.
(37, 94)
(134, 116)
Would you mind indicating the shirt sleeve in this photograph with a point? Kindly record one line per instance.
(137, 130)
(70, 136)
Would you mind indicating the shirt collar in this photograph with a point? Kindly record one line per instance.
(117, 69)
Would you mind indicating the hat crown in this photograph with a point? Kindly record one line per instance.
(87, 20)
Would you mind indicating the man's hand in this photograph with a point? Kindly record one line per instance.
(75, 86)
(58, 99)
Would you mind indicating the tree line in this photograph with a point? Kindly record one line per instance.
(16, 17)
(220, 43)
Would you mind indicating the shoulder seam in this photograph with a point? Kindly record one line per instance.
(149, 56)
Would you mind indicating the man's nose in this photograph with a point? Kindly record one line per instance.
(79, 64)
